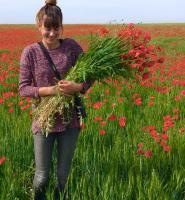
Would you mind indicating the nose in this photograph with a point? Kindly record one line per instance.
(52, 33)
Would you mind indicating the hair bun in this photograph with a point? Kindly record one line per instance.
(51, 2)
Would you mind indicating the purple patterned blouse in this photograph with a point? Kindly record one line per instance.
(35, 72)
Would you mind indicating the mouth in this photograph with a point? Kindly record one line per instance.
(51, 39)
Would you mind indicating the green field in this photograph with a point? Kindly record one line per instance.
(143, 160)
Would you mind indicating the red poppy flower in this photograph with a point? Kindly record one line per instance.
(145, 75)
(122, 121)
(103, 31)
(2, 160)
(138, 101)
(166, 148)
(98, 105)
(112, 117)
(1, 100)
(102, 132)
(120, 99)
(140, 144)
(11, 110)
(160, 60)
(140, 152)
(21, 103)
(177, 98)
(148, 154)
(164, 136)
(97, 118)
(103, 123)
(182, 92)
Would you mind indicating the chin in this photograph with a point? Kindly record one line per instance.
(52, 41)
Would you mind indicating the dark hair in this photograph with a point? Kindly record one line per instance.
(50, 15)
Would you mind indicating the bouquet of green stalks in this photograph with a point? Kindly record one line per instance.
(102, 60)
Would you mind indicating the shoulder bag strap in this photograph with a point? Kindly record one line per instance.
(51, 63)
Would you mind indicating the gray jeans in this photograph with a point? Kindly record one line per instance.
(43, 146)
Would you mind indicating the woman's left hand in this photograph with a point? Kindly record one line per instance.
(69, 88)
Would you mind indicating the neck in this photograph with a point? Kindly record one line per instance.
(51, 46)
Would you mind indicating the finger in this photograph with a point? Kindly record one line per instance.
(65, 87)
(62, 85)
(64, 81)
(62, 90)
(67, 94)
(65, 91)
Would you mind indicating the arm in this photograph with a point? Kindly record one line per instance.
(27, 90)
(25, 83)
(47, 91)
(25, 79)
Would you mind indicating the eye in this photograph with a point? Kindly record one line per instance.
(57, 29)
(47, 29)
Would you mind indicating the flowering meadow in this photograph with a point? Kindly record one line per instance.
(132, 143)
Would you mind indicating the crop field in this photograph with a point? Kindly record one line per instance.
(132, 144)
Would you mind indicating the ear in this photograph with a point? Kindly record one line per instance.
(39, 26)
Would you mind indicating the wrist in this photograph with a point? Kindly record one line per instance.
(79, 87)
(53, 90)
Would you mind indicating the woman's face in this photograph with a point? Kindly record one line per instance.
(50, 35)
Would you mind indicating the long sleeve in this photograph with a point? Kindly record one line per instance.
(26, 88)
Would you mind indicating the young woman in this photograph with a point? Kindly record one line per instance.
(38, 80)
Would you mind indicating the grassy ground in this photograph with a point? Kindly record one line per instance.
(125, 163)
